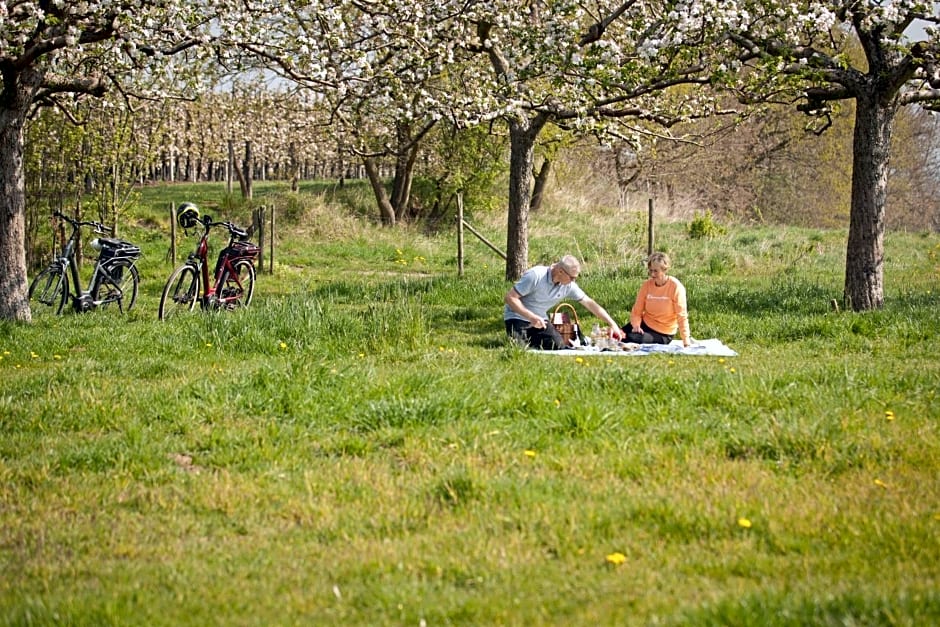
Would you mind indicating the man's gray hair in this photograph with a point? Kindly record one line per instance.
(571, 265)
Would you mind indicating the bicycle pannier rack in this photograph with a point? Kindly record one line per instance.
(117, 248)
(243, 249)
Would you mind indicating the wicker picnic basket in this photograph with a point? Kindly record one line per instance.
(567, 329)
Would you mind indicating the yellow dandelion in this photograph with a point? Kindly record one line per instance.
(889, 415)
(529, 453)
(880, 483)
(732, 370)
(579, 360)
(57, 356)
(744, 522)
(283, 345)
(672, 363)
(6, 352)
(33, 355)
(361, 355)
(208, 344)
(557, 403)
(936, 516)
(616, 559)
(721, 360)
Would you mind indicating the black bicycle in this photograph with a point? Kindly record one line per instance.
(114, 281)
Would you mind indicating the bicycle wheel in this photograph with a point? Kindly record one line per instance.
(118, 283)
(180, 292)
(48, 292)
(236, 289)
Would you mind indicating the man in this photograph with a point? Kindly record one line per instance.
(539, 289)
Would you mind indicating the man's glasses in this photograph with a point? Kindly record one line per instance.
(570, 276)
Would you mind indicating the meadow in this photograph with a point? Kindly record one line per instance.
(364, 446)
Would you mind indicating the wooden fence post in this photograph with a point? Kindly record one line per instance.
(460, 234)
(257, 220)
(271, 244)
(649, 244)
(172, 235)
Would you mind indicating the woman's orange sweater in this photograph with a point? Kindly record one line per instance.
(663, 308)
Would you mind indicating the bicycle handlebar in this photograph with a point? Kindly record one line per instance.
(233, 230)
(99, 227)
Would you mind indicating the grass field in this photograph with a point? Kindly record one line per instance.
(363, 446)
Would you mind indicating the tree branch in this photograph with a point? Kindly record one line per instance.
(596, 30)
(921, 96)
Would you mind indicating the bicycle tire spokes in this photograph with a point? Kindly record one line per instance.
(180, 292)
(48, 292)
(49, 289)
(236, 285)
(117, 282)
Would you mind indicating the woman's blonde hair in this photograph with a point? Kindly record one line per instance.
(660, 259)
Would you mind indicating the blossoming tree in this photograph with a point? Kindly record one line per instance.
(52, 50)
(399, 64)
(772, 46)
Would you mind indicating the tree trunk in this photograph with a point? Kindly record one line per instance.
(541, 180)
(404, 176)
(294, 168)
(16, 97)
(522, 135)
(386, 211)
(864, 259)
(248, 174)
(230, 166)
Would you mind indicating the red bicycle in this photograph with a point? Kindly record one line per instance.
(232, 283)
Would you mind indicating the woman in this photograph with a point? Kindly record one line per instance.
(660, 308)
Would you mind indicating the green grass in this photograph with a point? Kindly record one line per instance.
(363, 446)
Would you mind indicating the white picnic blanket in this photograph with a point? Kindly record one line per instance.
(699, 347)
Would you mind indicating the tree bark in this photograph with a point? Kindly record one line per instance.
(404, 176)
(522, 135)
(294, 167)
(386, 211)
(864, 259)
(541, 180)
(14, 105)
(248, 174)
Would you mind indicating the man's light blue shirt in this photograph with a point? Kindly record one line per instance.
(539, 293)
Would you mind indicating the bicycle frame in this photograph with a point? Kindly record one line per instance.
(211, 298)
(83, 299)
(114, 278)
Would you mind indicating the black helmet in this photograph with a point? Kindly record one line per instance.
(187, 215)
